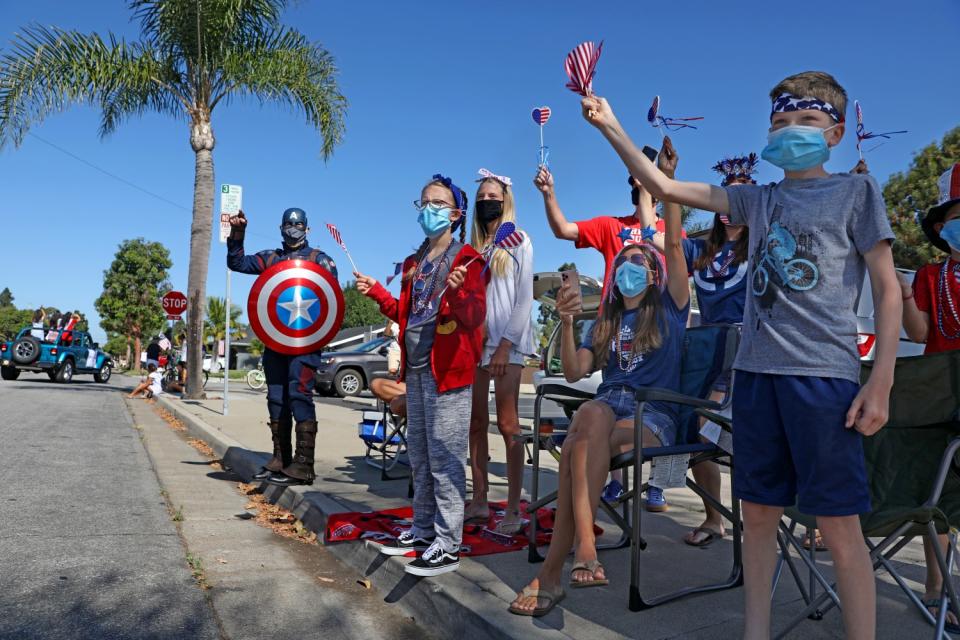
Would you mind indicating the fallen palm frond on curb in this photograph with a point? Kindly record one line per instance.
(269, 515)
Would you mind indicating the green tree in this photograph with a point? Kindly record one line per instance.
(132, 287)
(116, 345)
(360, 311)
(912, 193)
(191, 56)
(12, 320)
(6, 298)
(256, 346)
(548, 317)
(215, 327)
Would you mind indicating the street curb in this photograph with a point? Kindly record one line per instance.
(437, 603)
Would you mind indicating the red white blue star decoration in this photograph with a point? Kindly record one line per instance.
(295, 307)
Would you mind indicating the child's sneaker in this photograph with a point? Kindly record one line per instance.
(613, 491)
(655, 501)
(404, 544)
(434, 561)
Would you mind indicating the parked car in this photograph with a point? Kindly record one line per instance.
(347, 373)
(72, 352)
(546, 285)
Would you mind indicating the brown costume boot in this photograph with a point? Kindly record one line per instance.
(300, 471)
(282, 448)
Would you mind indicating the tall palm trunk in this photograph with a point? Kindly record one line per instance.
(134, 363)
(202, 141)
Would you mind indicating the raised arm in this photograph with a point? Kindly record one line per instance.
(699, 195)
(577, 363)
(667, 162)
(561, 227)
(915, 322)
(237, 260)
(677, 283)
(389, 306)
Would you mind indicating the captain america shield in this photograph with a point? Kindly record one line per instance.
(295, 307)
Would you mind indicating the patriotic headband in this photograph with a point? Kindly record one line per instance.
(736, 168)
(484, 174)
(457, 191)
(789, 102)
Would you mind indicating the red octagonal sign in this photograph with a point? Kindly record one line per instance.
(174, 303)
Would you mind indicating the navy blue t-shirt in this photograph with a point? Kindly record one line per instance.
(721, 285)
(657, 368)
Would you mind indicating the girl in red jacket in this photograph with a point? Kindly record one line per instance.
(441, 312)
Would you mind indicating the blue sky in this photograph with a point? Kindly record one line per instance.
(445, 86)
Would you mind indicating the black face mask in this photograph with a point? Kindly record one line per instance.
(489, 210)
(635, 196)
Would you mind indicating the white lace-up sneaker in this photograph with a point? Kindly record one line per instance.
(434, 561)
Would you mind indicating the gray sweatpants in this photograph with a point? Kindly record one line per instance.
(438, 425)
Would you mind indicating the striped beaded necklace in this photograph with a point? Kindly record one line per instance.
(945, 299)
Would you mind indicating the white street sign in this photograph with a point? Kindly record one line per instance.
(224, 227)
(231, 201)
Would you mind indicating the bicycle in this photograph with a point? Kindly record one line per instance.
(170, 375)
(256, 379)
(799, 274)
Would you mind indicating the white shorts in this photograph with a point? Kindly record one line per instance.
(515, 356)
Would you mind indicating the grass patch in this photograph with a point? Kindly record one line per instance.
(178, 514)
(196, 569)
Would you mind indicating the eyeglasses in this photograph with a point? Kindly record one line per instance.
(636, 258)
(420, 205)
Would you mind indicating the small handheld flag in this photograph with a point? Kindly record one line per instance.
(863, 134)
(662, 122)
(541, 115)
(397, 268)
(580, 65)
(339, 240)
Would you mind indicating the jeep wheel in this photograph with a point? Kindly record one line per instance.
(348, 382)
(65, 372)
(26, 350)
(9, 373)
(103, 375)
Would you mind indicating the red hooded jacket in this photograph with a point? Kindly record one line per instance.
(458, 341)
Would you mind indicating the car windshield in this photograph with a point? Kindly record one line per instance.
(372, 345)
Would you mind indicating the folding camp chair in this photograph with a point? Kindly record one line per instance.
(708, 351)
(385, 436)
(914, 485)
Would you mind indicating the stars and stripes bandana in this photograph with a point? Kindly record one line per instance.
(788, 102)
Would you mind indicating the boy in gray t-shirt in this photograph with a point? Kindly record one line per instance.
(798, 409)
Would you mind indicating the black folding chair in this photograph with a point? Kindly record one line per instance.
(385, 436)
(914, 487)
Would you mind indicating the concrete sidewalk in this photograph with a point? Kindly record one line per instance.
(472, 603)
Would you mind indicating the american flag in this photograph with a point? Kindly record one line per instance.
(508, 236)
(541, 115)
(654, 111)
(724, 219)
(397, 268)
(336, 236)
(581, 64)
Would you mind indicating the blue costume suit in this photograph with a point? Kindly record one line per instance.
(290, 379)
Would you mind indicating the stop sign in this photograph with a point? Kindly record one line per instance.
(174, 303)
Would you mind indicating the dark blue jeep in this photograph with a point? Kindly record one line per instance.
(61, 354)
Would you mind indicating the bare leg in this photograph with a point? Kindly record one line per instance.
(479, 445)
(707, 475)
(386, 389)
(934, 581)
(759, 561)
(858, 589)
(507, 393)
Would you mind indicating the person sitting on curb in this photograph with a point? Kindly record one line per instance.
(151, 386)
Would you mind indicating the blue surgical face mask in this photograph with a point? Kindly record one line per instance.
(631, 279)
(951, 234)
(797, 147)
(434, 220)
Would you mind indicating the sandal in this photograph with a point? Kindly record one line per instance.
(511, 528)
(712, 534)
(552, 598)
(475, 518)
(934, 603)
(592, 567)
(818, 540)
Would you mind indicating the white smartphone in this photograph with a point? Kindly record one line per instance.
(571, 279)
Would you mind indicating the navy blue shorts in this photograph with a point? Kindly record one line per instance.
(791, 446)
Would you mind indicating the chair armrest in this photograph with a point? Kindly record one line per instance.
(725, 422)
(560, 390)
(648, 394)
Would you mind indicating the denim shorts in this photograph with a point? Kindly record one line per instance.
(624, 405)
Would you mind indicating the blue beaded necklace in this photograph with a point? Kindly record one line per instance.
(423, 298)
(945, 298)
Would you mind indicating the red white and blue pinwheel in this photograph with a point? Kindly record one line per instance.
(863, 134)
(659, 121)
(581, 65)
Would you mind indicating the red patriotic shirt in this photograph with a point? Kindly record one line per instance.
(931, 300)
(602, 233)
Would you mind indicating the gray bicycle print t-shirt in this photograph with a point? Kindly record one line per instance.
(807, 242)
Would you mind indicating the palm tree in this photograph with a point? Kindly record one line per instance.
(214, 328)
(192, 55)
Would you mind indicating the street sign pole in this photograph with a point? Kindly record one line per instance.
(231, 197)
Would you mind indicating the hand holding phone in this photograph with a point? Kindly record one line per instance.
(570, 297)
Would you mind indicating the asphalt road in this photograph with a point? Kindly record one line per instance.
(88, 548)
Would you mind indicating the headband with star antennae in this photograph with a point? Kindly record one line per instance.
(737, 168)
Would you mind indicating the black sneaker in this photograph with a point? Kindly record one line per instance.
(434, 561)
(404, 544)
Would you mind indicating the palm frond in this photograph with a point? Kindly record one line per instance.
(45, 70)
(284, 66)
